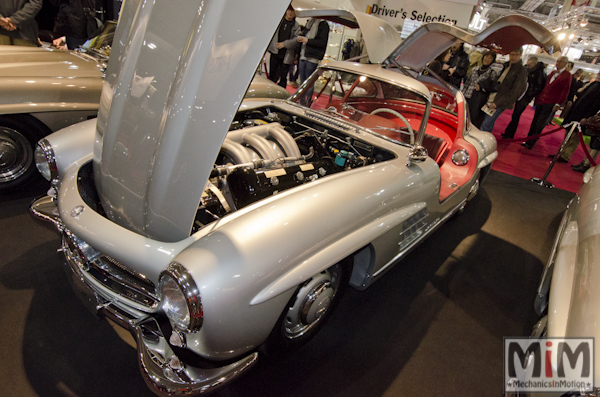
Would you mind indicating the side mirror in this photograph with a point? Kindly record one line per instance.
(417, 154)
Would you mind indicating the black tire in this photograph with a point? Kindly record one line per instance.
(293, 329)
(18, 136)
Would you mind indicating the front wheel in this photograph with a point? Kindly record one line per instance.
(18, 136)
(307, 311)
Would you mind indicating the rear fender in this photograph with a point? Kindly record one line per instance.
(562, 281)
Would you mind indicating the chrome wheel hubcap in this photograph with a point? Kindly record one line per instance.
(16, 155)
(312, 301)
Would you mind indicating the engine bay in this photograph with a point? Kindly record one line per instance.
(268, 151)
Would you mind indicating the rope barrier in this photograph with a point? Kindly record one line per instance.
(585, 149)
(532, 137)
(581, 142)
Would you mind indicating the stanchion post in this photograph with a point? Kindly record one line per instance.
(542, 181)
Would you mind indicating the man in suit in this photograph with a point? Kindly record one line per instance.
(555, 92)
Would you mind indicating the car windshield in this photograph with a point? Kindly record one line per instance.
(386, 109)
(99, 46)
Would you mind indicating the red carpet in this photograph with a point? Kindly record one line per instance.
(515, 160)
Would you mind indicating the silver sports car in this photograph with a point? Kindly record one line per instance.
(567, 297)
(44, 90)
(215, 228)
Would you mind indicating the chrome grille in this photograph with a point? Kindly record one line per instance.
(331, 121)
(412, 229)
(112, 274)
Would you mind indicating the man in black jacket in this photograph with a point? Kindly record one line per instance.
(536, 79)
(314, 44)
(17, 22)
(586, 105)
(457, 65)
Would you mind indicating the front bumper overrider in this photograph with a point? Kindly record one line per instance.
(162, 370)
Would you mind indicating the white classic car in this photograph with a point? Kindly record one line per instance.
(214, 228)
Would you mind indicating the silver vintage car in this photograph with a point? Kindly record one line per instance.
(44, 90)
(215, 228)
(567, 297)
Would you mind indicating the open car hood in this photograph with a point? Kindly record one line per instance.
(380, 37)
(175, 79)
(503, 36)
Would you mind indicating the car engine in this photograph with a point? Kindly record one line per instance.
(268, 151)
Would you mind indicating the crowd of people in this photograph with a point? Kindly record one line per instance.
(490, 88)
(73, 22)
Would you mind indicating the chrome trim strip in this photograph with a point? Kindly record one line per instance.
(190, 290)
(541, 297)
(48, 151)
(45, 209)
(432, 227)
(488, 160)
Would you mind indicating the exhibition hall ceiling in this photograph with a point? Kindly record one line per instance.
(579, 27)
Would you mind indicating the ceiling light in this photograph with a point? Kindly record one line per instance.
(595, 49)
(561, 36)
(571, 36)
(584, 22)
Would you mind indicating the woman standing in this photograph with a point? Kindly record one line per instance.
(478, 86)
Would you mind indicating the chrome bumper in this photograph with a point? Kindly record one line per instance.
(161, 369)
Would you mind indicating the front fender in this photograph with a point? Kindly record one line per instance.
(72, 143)
(337, 251)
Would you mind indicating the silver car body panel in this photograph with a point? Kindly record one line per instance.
(57, 87)
(572, 270)
(504, 35)
(262, 87)
(380, 37)
(166, 125)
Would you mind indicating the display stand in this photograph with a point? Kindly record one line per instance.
(542, 181)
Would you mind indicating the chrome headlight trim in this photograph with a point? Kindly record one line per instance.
(45, 160)
(190, 293)
(460, 157)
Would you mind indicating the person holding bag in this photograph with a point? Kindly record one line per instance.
(478, 86)
(511, 84)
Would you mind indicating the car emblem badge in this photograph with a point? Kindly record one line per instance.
(76, 211)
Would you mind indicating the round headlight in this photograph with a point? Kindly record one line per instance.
(45, 160)
(180, 298)
(460, 157)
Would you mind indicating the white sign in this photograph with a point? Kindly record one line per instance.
(424, 11)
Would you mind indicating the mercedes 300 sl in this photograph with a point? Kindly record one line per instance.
(215, 229)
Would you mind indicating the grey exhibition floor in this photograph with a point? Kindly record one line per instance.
(433, 326)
